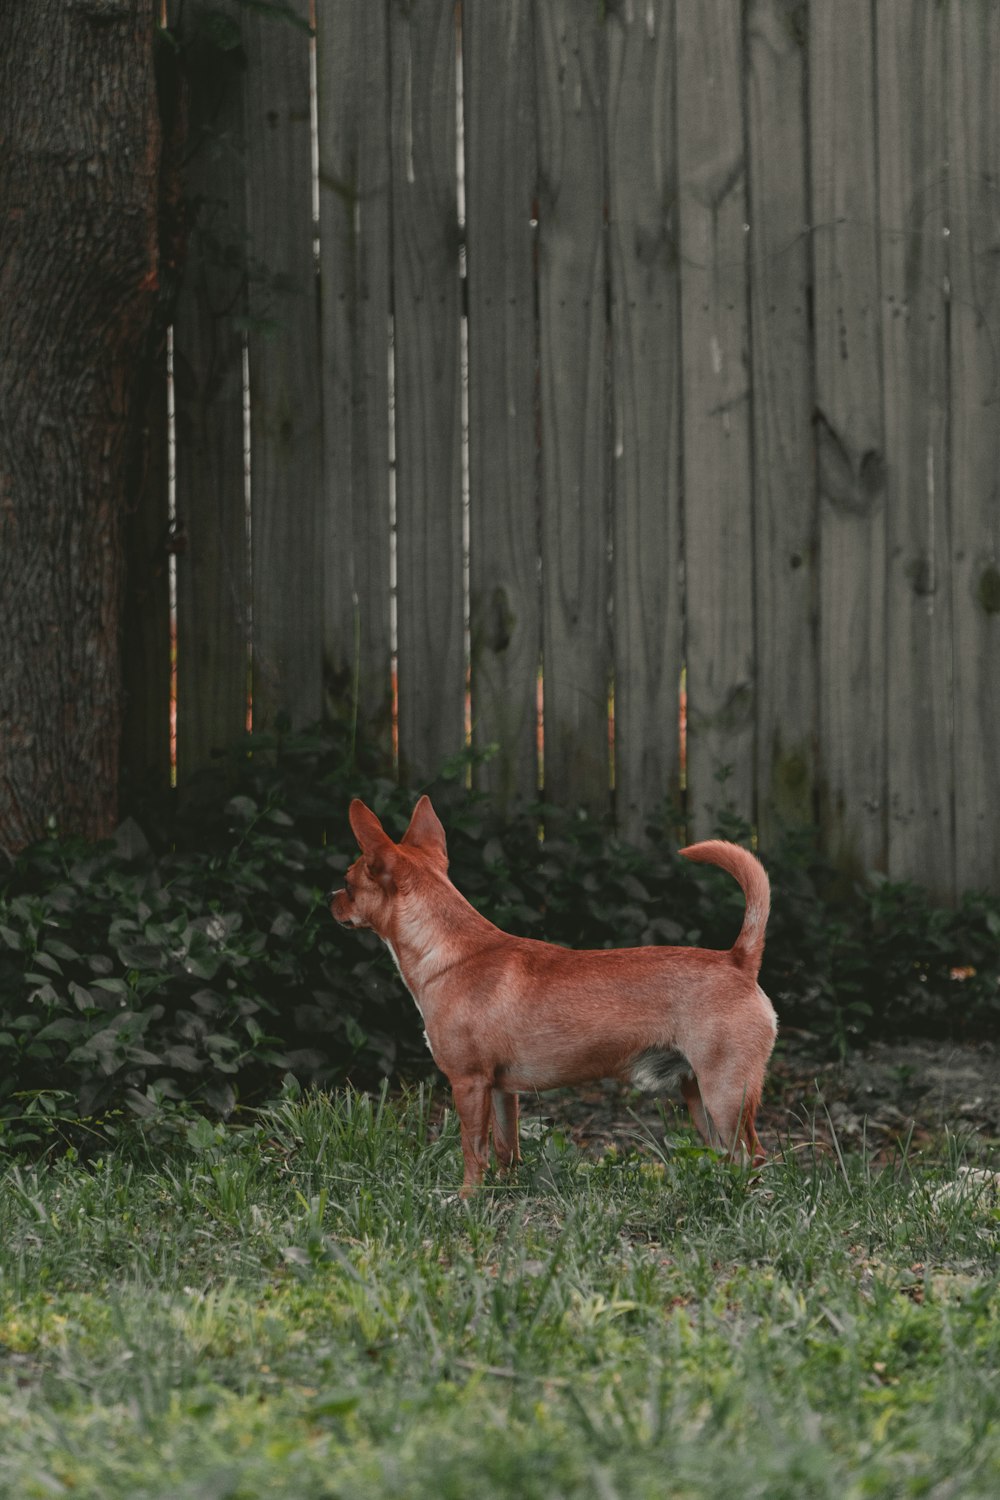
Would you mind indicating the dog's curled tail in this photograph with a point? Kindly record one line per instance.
(748, 870)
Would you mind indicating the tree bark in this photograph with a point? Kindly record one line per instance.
(79, 161)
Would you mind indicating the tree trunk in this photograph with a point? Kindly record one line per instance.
(79, 160)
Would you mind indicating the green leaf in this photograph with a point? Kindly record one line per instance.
(45, 993)
(218, 1043)
(60, 949)
(208, 1002)
(82, 998)
(98, 1047)
(140, 1104)
(142, 955)
(201, 1134)
(140, 1055)
(63, 1029)
(221, 1097)
(184, 1058)
(244, 808)
(48, 961)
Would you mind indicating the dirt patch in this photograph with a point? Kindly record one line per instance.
(893, 1088)
(886, 1093)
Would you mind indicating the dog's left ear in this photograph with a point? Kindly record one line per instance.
(426, 833)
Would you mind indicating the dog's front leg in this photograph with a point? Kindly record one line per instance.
(473, 1101)
(505, 1116)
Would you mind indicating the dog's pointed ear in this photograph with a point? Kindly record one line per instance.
(373, 841)
(426, 833)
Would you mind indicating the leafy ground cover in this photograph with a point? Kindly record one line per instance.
(194, 958)
(304, 1307)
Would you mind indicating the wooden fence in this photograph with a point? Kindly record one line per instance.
(619, 341)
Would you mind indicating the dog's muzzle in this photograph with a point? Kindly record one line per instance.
(340, 909)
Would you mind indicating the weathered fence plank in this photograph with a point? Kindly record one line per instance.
(353, 113)
(285, 423)
(213, 572)
(427, 387)
(973, 93)
(784, 517)
(500, 179)
(645, 471)
(145, 758)
(850, 452)
(649, 393)
(573, 376)
(718, 532)
(912, 167)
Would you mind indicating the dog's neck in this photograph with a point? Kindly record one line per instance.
(432, 931)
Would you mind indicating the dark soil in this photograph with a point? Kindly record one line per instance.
(874, 1098)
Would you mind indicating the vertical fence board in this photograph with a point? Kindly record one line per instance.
(145, 758)
(353, 108)
(784, 474)
(912, 146)
(718, 534)
(973, 92)
(833, 592)
(642, 208)
(428, 387)
(573, 381)
(213, 568)
(500, 179)
(849, 436)
(285, 423)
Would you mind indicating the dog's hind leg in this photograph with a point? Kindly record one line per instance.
(505, 1117)
(725, 1111)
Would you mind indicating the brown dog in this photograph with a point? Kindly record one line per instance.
(504, 1014)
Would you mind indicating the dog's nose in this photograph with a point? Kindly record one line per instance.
(328, 898)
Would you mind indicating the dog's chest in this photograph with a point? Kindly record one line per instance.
(399, 970)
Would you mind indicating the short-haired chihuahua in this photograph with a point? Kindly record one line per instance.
(505, 1014)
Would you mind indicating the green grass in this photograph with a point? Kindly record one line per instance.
(306, 1309)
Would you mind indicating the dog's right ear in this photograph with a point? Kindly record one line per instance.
(373, 841)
